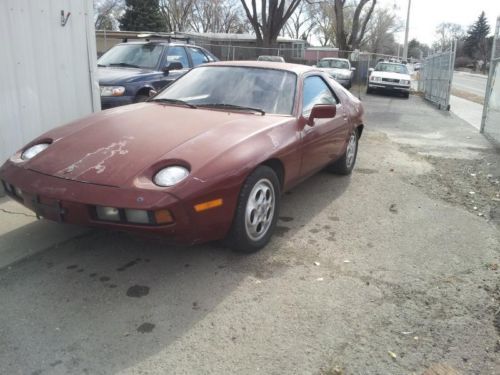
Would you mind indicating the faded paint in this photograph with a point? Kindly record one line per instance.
(118, 152)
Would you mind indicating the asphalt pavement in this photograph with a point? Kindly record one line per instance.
(384, 272)
(471, 83)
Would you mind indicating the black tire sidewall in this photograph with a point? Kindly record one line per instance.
(238, 238)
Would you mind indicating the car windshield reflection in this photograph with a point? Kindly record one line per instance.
(263, 90)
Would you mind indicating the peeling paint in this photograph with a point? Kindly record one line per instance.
(107, 152)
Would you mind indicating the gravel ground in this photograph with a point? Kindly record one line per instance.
(382, 272)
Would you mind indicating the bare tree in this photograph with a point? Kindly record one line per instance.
(300, 24)
(348, 40)
(447, 32)
(177, 14)
(107, 13)
(218, 16)
(270, 19)
(379, 36)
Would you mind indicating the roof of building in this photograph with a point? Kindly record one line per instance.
(193, 35)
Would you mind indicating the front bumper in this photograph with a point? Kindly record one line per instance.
(346, 82)
(74, 202)
(388, 87)
(115, 101)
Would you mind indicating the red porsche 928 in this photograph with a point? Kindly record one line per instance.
(205, 159)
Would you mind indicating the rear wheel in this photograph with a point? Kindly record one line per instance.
(345, 164)
(257, 211)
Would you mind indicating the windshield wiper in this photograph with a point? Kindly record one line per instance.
(124, 65)
(101, 65)
(173, 101)
(232, 106)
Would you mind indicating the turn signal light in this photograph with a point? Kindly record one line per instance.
(163, 217)
(208, 205)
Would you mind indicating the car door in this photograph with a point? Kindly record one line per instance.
(321, 143)
(174, 54)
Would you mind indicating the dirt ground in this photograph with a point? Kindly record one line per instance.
(393, 270)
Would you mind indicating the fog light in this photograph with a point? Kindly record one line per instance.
(163, 217)
(137, 216)
(108, 213)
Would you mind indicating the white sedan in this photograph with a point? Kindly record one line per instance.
(389, 77)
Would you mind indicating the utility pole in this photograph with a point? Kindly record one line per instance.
(405, 50)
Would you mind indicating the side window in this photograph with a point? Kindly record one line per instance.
(197, 56)
(177, 54)
(316, 91)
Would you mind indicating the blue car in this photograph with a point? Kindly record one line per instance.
(129, 71)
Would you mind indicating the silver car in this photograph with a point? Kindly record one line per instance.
(339, 69)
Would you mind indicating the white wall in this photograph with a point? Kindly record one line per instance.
(47, 71)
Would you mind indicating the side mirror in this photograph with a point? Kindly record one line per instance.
(152, 93)
(371, 70)
(322, 111)
(174, 65)
(353, 69)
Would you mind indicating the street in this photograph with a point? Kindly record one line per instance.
(470, 83)
(393, 270)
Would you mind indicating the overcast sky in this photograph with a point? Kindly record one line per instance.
(425, 15)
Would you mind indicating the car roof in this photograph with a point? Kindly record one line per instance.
(294, 68)
(162, 42)
(333, 58)
(390, 63)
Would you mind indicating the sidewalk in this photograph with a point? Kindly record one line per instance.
(467, 110)
(22, 234)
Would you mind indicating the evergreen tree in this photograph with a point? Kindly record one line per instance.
(476, 45)
(142, 15)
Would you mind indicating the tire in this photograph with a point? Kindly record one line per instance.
(141, 98)
(406, 95)
(369, 90)
(345, 164)
(256, 213)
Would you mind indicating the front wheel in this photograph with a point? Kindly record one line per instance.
(345, 164)
(257, 211)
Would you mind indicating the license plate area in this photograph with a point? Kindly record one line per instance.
(48, 208)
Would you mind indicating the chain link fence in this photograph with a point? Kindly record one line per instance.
(490, 124)
(436, 75)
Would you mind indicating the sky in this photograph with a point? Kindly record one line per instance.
(425, 15)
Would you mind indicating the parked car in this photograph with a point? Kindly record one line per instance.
(129, 71)
(417, 66)
(271, 58)
(200, 161)
(389, 77)
(339, 69)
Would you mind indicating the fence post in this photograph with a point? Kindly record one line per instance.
(490, 77)
(452, 70)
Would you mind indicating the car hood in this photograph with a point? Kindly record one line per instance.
(113, 147)
(115, 76)
(391, 75)
(337, 71)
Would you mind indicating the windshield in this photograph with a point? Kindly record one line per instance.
(337, 64)
(271, 58)
(132, 55)
(393, 68)
(272, 91)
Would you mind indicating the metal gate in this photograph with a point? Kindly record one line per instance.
(436, 75)
(490, 124)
